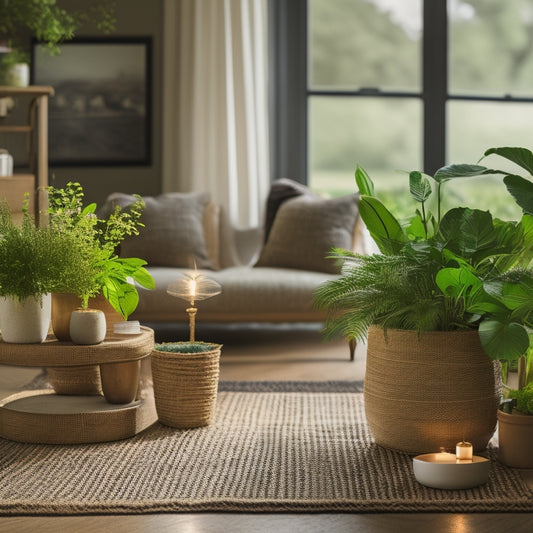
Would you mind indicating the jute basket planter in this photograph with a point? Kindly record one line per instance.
(423, 393)
(185, 384)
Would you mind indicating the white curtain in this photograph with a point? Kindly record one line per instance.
(215, 103)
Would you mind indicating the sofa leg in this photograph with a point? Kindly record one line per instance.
(352, 344)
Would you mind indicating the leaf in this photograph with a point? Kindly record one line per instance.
(462, 171)
(502, 340)
(419, 186)
(521, 190)
(467, 231)
(521, 156)
(382, 225)
(363, 181)
(456, 282)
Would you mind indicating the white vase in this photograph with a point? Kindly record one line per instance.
(25, 321)
(87, 326)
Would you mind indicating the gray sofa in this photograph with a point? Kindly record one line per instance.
(266, 275)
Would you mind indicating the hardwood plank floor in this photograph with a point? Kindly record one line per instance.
(276, 353)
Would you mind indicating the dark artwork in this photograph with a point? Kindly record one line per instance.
(100, 114)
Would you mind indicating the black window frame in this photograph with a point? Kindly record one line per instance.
(288, 23)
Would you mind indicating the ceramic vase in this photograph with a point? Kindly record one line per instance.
(25, 321)
(87, 326)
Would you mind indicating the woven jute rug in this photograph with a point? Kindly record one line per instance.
(269, 448)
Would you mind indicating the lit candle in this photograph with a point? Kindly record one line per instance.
(464, 451)
(192, 289)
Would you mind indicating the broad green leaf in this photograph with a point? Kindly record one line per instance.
(382, 225)
(467, 231)
(521, 190)
(457, 282)
(502, 340)
(364, 182)
(521, 156)
(89, 209)
(419, 186)
(462, 171)
(416, 228)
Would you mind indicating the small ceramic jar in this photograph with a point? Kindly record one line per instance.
(87, 326)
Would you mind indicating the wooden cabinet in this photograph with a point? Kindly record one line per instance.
(36, 131)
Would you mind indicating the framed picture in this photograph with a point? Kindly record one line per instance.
(101, 111)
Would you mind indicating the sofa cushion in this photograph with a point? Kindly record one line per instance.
(280, 191)
(173, 232)
(306, 228)
(248, 295)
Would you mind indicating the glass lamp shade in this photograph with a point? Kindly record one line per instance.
(194, 286)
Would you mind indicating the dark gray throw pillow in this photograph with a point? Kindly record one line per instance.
(306, 228)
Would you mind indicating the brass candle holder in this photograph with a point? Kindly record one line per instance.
(191, 287)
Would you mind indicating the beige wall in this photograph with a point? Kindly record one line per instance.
(135, 18)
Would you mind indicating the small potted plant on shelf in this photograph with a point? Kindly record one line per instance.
(49, 23)
(447, 290)
(32, 262)
(100, 270)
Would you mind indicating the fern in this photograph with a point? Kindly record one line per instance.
(392, 291)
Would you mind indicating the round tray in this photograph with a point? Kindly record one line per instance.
(43, 417)
(116, 348)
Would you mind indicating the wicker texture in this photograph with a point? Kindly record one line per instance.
(185, 387)
(424, 393)
(75, 380)
(267, 452)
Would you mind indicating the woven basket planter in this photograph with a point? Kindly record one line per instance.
(423, 393)
(185, 384)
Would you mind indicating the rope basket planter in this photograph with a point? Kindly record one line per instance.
(429, 391)
(185, 383)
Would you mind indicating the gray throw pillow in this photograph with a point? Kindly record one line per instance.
(173, 234)
(306, 228)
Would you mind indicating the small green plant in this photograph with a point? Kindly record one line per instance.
(443, 270)
(32, 258)
(99, 269)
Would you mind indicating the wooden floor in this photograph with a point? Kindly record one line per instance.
(261, 354)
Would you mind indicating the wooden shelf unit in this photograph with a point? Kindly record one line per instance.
(37, 123)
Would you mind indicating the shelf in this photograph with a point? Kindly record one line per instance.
(53, 353)
(43, 417)
(32, 90)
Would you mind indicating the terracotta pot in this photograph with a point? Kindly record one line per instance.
(429, 391)
(515, 438)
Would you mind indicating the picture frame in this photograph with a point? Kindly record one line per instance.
(100, 114)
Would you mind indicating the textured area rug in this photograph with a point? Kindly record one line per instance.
(281, 451)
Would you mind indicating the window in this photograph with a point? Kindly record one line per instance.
(397, 86)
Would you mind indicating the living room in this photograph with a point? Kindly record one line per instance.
(251, 117)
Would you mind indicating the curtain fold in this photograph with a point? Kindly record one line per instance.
(216, 103)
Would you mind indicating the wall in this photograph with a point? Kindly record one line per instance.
(135, 18)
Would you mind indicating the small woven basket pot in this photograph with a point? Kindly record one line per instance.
(185, 383)
(429, 391)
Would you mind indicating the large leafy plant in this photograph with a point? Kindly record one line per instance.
(99, 269)
(461, 269)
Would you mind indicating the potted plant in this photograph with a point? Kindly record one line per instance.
(32, 262)
(49, 23)
(434, 287)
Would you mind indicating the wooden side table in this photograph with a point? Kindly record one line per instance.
(45, 417)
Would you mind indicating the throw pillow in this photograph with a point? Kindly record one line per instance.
(173, 233)
(306, 228)
(281, 190)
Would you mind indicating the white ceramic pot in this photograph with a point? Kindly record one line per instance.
(26, 321)
(87, 326)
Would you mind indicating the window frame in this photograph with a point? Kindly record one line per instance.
(290, 92)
